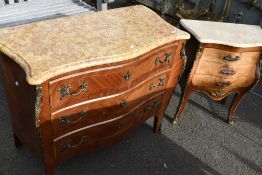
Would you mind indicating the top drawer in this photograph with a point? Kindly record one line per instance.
(223, 56)
(91, 84)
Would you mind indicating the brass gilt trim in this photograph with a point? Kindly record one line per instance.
(183, 56)
(38, 105)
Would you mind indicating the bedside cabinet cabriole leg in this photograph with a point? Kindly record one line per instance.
(233, 107)
(183, 101)
(240, 95)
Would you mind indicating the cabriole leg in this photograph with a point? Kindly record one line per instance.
(233, 106)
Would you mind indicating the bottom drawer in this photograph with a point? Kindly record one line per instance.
(222, 83)
(104, 133)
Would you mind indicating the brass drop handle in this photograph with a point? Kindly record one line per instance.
(222, 84)
(230, 58)
(152, 107)
(68, 144)
(217, 93)
(66, 120)
(65, 91)
(166, 60)
(161, 83)
(227, 71)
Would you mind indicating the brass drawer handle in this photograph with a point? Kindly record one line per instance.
(227, 71)
(64, 91)
(66, 119)
(123, 103)
(222, 84)
(230, 58)
(166, 60)
(152, 107)
(128, 75)
(68, 144)
(217, 93)
(161, 83)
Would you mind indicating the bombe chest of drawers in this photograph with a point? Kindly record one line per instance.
(223, 58)
(81, 83)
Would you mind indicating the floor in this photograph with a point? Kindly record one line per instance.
(201, 143)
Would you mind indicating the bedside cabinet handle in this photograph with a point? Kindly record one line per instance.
(230, 58)
(161, 83)
(66, 119)
(64, 91)
(222, 84)
(227, 71)
(68, 145)
(166, 60)
(217, 93)
(152, 107)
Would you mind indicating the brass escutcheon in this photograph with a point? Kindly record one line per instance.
(128, 75)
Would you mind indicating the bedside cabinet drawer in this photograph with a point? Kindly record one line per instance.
(97, 136)
(229, 84)
(93, 112)
(236, 58)
(79, 87)
(225, 70)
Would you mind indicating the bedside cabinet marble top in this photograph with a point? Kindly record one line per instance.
(230, 34)
(53, 47)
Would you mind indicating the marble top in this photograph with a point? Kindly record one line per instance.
(236, 35)
(53, 47)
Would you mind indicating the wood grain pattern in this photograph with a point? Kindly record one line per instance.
(206, 68)
(113, 105)
(217, 56)
(109, 80)
(215, 69)
(105, 108)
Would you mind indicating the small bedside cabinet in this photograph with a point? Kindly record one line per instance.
(223, 58)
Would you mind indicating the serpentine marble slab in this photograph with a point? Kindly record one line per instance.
(53, 47)
(236, 35)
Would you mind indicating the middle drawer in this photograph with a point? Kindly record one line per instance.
(98, 110)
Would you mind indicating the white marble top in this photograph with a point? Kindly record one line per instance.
(236, 35)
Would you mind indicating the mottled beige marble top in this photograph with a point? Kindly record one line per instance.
(53, 47)
(236, 35)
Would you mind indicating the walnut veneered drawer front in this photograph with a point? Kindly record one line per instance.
(80, 87)
(225, 70)
(222, 83)
(95, 136)
(228, 57)
(95, 111)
